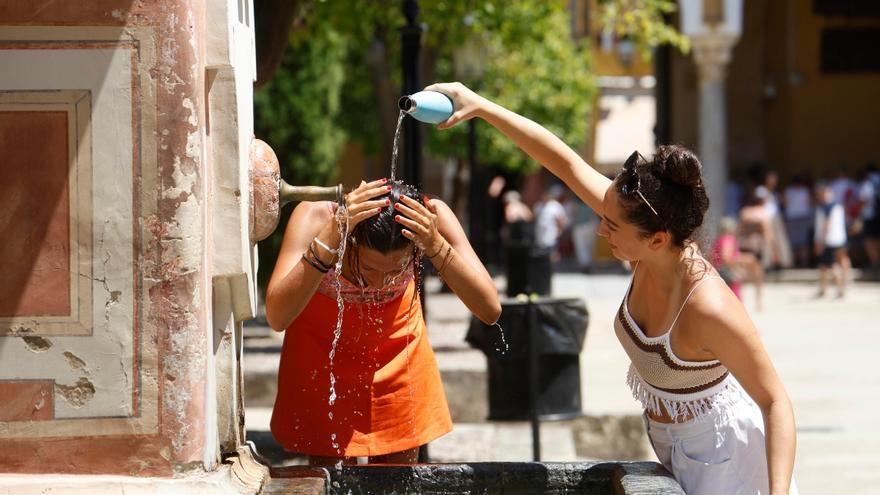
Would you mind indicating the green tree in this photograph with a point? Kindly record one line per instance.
(644, 22)
(297, 110)
(531, 64)
(340, 77)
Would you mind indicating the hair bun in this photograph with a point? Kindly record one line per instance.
(678, 165)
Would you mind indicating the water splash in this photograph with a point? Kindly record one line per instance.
(503, 340)
(396, 145)
(342, 226)
(332, 389)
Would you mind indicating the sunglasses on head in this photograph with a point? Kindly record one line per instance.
(631, 186)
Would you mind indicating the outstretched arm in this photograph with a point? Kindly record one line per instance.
(732, 338)
(535, 140)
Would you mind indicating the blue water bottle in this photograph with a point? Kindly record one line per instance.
(431, 107)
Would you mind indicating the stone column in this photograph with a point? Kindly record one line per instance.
(712, 54)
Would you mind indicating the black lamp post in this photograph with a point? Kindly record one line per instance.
(411, 38)
(476, 196)
(411, 41)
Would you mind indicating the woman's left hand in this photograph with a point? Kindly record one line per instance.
(420, 221)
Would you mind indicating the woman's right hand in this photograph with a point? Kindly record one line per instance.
(467, 104)
(360, 204)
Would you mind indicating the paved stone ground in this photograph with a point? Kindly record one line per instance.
(824, 349)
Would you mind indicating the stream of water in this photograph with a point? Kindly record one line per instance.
(396, 145)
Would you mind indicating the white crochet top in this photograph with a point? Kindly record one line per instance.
(657, 377)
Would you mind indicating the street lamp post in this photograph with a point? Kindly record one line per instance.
(411, 39)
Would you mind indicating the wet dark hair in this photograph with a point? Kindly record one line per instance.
(382, 233)
(672, 184)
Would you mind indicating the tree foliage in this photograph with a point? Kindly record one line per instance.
(341, 76)
(532, 66)
(297, 111)
(643, 21)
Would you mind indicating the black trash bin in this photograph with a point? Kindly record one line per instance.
(528, 268)
(562, 328)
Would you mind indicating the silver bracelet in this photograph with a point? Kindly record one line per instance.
(326, 247)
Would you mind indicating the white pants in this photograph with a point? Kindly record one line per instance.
(722, 453)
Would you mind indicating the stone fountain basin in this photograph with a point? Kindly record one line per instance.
(479, 478)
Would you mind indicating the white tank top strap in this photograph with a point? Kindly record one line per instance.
(688, 298)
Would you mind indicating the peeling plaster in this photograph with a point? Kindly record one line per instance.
(75, 363)
(78, 394)
(36, 343)
(174, 245)
(194, 145)
(42, 402)
(193, 119)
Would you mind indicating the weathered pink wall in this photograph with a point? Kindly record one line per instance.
(36, 241)
(173, 296)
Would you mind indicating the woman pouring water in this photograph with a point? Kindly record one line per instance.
(716, 411)
(368, 386)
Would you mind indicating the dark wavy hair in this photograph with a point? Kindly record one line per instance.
(382, 233)
(673, 197)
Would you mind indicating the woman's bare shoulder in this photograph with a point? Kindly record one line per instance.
(309, 215)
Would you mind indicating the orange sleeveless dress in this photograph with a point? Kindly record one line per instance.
(389, 396)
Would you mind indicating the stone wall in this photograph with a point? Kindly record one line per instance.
(110, 359)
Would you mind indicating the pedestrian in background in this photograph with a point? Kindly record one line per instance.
(583, 234)
(830, 241)
(550, 221)
(755, 231)
(518, 220)
(798, 207)
(778, 247)
(869, 197)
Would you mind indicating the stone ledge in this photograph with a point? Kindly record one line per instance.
(238, 475)
(623, 478)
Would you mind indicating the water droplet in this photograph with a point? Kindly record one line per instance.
(503, 340)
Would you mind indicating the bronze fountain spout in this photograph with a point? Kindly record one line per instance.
(269, 192)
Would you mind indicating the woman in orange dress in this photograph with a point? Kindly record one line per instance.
(369, 387)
